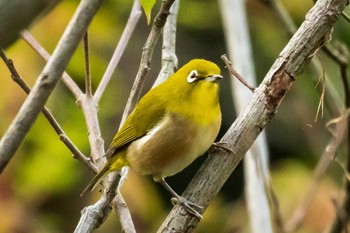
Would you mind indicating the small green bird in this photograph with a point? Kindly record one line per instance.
(172, 125)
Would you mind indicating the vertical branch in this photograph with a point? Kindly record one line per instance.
(91, 217)
(256, 159)
(88, 88)
(47, 80)
(169, 59)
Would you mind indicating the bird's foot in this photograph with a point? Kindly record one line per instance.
(188, 205)
(220, 146)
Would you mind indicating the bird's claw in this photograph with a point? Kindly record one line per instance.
(188, 205)
(221, 146)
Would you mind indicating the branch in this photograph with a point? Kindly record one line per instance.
(92, 212)
(260, 110)
(47, 113)
(169, 59)
(67, 80)
(47, 80)
(129, 29)
(88, 88)
(333, 102)
(339, 55)
(146, 57)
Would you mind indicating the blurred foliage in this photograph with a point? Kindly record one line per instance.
(41, 185)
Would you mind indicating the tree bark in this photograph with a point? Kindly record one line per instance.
(312, 34)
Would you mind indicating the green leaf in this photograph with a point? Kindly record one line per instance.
(147, 7)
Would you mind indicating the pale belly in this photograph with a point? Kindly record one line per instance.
(170, 147)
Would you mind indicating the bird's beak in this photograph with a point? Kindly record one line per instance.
(214, 77)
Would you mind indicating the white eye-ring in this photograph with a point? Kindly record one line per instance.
(192, 76)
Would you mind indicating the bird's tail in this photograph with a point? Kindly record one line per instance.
(116, 162)
(97, 179)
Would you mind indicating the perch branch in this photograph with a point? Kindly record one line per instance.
(256, 115)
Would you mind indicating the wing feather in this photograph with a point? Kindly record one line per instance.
(148, 112)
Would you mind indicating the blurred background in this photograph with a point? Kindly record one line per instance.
(40, 189)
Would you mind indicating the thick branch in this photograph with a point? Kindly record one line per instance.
(47, 80)
(261, 109)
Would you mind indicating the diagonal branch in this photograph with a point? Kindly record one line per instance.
(129, 28)
(67, 80)
(47, 113)
(256, 115)
(145, 64)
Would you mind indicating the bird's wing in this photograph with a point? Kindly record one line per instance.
(147, 113)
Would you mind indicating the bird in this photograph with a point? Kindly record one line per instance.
(172, 125)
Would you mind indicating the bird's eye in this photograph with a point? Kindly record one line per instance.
(192, 76)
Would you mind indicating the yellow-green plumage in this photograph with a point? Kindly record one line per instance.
(171, 126)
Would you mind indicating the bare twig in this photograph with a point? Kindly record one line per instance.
(67, 80)
(88, 88)
(118, 202)
(346, 16)
(260, 110)
(146, 56)
(321, 80)
(169, 59)
(129, 28)
(47, 113)
(47, 80)
(235, 73)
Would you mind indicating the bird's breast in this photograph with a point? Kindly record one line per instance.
(171, 146)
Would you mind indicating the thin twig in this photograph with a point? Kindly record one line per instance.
(235, 73)
(321, 80)
(88, 88)
(146, 57)
(119, 51)
(169, 59)
(47, 113)
(67, 80)
(89, 107)
(346, 16)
